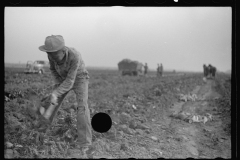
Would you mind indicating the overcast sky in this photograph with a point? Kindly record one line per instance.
(181, 38)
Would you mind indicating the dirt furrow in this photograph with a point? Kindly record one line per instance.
(198, 138)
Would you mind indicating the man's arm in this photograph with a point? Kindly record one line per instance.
(67, 84)
(56, 76)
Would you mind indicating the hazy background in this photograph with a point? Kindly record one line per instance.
(182, 38)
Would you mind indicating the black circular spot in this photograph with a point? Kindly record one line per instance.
(101, 122)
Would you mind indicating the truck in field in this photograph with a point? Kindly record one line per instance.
(39, 66)
(129, 67)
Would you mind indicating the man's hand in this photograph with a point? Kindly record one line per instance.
(53, 99)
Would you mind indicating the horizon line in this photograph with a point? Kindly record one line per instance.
(116, 68)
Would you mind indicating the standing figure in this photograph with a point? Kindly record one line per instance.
(210, 70)
(158, 70)
(69, 73)
(214, 70)
(145, 69)
(161, 70)
(205, 70)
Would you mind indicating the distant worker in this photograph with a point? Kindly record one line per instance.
(209, 70)
(161, 70)
(214, 70)
(205, 70)
(145, 69)
(158, 70)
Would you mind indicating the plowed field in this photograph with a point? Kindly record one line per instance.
(150, 119)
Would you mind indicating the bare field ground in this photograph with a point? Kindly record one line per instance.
(150, 119)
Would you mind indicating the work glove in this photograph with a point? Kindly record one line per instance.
(54, 99)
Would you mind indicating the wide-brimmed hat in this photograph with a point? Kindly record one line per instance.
(53, 43)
